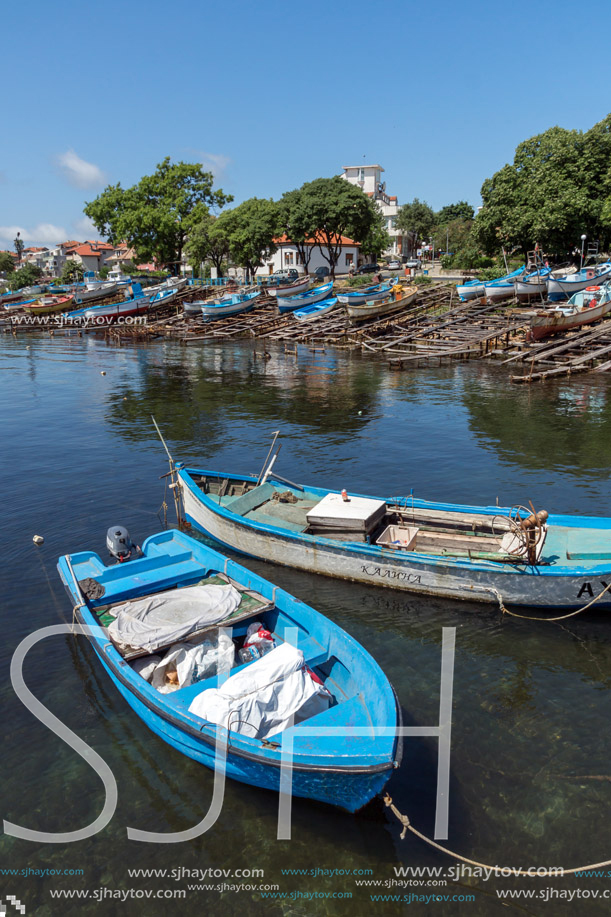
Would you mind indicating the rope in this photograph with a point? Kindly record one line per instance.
(514, 614)
(74, 611)
(539, 873)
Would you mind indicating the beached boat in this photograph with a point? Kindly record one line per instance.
(290, 289)
(47, 304)
(86, 294)
(583, 308)
(399, 298)
(532, 285)
(478, 553)
(135, 302)
(192, 606)
(474, 289)
(233, 304)
(366, 294)
(309, 313)
(290, 303)
(565, 285)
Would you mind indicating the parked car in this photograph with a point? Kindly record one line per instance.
(288, 274)
(394, 265)
(320, 273)
(368, 269)
(413, 262)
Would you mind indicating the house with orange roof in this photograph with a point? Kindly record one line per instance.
(91, 254)
(288, 255)
(369, 180)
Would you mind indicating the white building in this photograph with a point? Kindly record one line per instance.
(287, 256)
(369, 180)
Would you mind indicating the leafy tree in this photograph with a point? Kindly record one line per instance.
(7, 263)
(296, 222)
(417, 220)
(72, 272)
(325, 210)
(250, 229)
(453, 236)
(207, 242)
(24, 277)
(104, 272)
(378, 239)
(451, 212)
(19, 246)
(155, 216)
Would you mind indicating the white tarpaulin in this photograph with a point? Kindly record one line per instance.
(260, 700)
(171, 616)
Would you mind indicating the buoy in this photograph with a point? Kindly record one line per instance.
(102, 373)
(38, 539)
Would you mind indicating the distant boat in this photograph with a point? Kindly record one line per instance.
(309, 313)
(90, 294)
(136, 304)
(563, 287)
(583, 308)
(233, 304)
(316, 675)
(290, 289)
(474, 289)
(532, 285)
(376, 308)
(365, 294)
(48, 304)
(290, 303)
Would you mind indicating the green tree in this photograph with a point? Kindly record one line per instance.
(417, 221)
(251, 229)
(19, 246)
(72, 272)
(377, 240)
(155, 216)
(7, 263)
(327, 209)
(24, 277)
(296, 223)
(451, 212)
(453, 235)
(207, 242)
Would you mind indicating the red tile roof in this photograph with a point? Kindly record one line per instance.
(284, 240)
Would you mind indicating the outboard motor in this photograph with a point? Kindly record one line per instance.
(119, 543)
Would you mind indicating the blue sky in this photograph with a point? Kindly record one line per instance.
(273, 94)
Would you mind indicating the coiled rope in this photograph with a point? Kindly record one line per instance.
(505, 870)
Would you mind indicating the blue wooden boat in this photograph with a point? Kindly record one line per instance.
(228, 305)
(337, 767)
(478, 553)
(365, 294)
(477, 288)
(301, 300)
(565, 286)
(309, 313)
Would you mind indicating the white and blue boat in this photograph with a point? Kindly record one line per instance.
(316, 310)
(532, 285)
(178, 586)
(365, 294)
(478, 553)
(566, 285)
(233, 304)
(301, 300)
(474, 289)
(136, 302)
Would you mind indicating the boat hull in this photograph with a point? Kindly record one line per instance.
(290, 303)
(310, 313)
(280, 292)
(379, 308)
(559, 288)
(548, 324)
(363, 296)
(523, 585)
(499, 293)
(469, 291)
(525, 290)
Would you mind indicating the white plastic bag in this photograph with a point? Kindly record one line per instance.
(194, 663)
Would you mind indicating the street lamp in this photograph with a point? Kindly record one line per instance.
(583, 239)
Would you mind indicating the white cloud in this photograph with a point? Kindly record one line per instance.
(214, 162)
(45, 233)
(79, 172)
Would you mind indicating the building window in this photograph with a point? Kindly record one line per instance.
(288, 257)
(298, 258)
(349, 259)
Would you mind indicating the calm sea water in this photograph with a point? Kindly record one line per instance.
(530, 767)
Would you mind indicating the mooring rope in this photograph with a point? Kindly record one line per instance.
(540, 872)
(514, 614)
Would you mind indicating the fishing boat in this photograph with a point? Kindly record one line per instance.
(102, 291)
(475, 289)
(309, 313)
(398, 298)
(366, 294)
(135, 302)
(166, 627)
(583, 308)
(47, 304)
(478, 553)
(234, 304)
(290, 289)
(564, 286)
(290, 303)
(532, 285)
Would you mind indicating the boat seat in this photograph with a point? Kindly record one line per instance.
(266, 519)
(252, 499)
